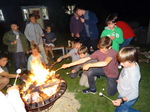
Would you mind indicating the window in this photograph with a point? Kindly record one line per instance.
(42, 11)
(1, 16)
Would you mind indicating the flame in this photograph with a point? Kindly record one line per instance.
(39, 76)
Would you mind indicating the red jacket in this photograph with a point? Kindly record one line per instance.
(126, 29)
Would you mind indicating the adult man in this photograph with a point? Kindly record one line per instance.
(90, 33)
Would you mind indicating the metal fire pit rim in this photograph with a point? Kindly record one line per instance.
(45, 106)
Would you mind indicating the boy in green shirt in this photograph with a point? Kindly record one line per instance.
(113, 32)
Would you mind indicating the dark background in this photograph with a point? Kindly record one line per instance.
(134, 12)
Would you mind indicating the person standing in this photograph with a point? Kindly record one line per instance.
(128, 32)
(90, 34)
(17, 46)
(113, 32)
(76, 26)
(34, 33)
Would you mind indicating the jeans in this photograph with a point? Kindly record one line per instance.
(19, 60)
(111, 82)
(126, 42)
(126, 107)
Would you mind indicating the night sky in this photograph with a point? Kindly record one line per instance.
(128, 10)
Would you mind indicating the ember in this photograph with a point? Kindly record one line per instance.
(42, 88)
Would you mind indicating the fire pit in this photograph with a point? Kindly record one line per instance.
(42, 89)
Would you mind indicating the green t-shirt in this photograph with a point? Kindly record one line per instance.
(117, 32)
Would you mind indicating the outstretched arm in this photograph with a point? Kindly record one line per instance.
(98, 64)
(80, 61)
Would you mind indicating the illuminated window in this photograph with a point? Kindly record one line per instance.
(1, 16)
(42, 11)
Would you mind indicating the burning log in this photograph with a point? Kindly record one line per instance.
(39, 88)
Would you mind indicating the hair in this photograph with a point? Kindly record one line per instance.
(112, 18)
(3, 55)
(47, 26)
(34, 46)
(104, 42)
(14, 22)
(128, 53)
(32, 15)
(77, 40)
(82, 50)
(77, 7)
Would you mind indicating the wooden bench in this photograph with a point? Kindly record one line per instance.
(59, 48)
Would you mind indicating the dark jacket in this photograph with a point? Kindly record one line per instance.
(10, 37)
(93, 29)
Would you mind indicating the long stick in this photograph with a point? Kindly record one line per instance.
(108, 98)
(101, 94)
(18, 72)
(16, 80)
(58, 69)
(52, 65)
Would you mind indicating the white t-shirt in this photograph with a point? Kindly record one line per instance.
(1, 70)
(11, 102)
(74, 54)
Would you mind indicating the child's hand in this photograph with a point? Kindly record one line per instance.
(112, 37)
(117, 102)
(59, 59)
(42, 35)
(12, 88)
(73, 71)
(86, 67)
(32, 42)
(65, 66)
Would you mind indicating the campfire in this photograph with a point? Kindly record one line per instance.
(42, 88)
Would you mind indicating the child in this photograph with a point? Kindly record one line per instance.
(17, 46)
(128, 82)
(35, 57)
(113, 32)
(4, 76)
(73, 54)
(106, 66)
(50, 38)
(34, 34)
(83, 53)
(12, 101)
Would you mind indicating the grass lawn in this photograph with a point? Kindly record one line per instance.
(95, 103)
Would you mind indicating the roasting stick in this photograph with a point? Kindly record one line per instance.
(58, 69)
(18, 72)
(101, 94)
(52, 65)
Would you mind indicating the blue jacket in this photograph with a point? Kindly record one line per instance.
(91, 22)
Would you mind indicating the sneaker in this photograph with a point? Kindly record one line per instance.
(89, 91)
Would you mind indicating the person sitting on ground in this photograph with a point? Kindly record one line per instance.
(35, 58)
(83, 53)
(128, 82)
(4, 76)
(49, 39)
(73, 54)
(106, 66)
(11, 102)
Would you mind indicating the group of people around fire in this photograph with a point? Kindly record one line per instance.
(110, 50)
